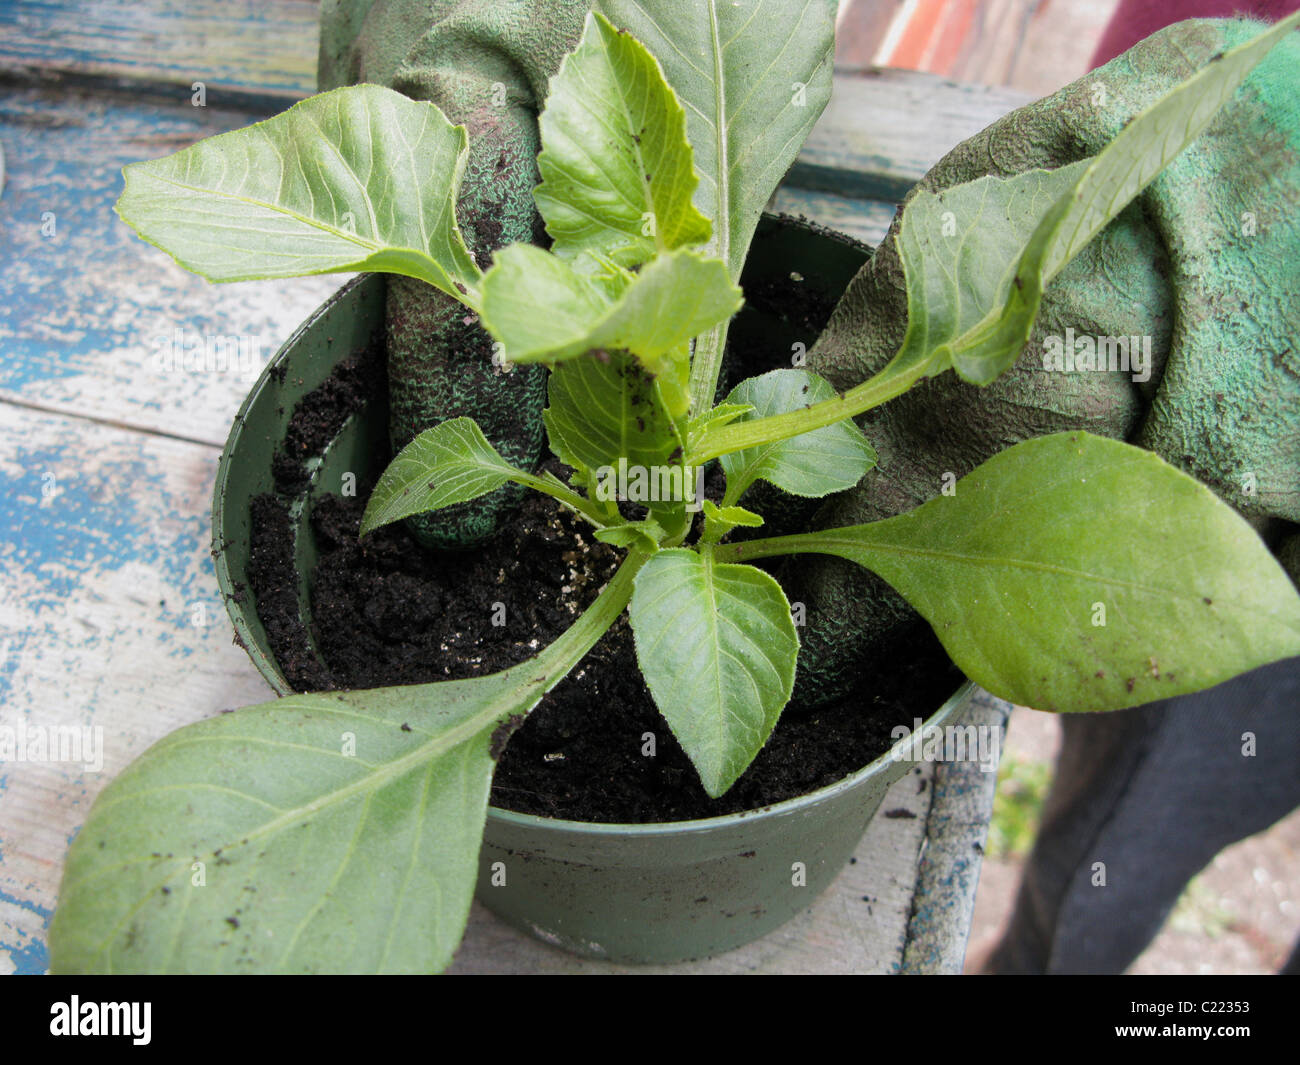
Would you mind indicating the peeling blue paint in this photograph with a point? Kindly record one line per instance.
(28, 905)
(63, 236)
(33, 957)
(91, 521)
(274, 51)
(11, 646)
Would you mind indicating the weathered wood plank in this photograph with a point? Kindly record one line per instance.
(89, 313)
(109, 620)
(957, 828)
(883, 129)
(259, 47)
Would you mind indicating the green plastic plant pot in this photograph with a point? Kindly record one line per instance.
(626, 892)
(684, 889)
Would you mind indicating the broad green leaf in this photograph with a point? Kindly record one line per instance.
(816, 464)
(732, 515)
(1073, 572)
(542, 309)
(335, 832)
(717, 648)
(255, 842)
(447, 464)
(616, 167)
(360, 178)
(753, 75)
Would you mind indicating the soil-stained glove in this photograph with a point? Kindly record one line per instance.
(486, 64)
(1205, 265)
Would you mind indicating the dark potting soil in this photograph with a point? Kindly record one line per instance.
(389, 612)
(386, 611)
(321, 413)
(273, 579)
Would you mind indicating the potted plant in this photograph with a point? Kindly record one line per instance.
(341, 829)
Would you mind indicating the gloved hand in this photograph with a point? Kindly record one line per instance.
(1206, 262)
(486, 64)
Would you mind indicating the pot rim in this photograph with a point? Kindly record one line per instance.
(955, 702)
(262, 661)
(270, 672)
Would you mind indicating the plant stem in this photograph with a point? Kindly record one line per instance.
(706, 366)
(567, 496)
(824, 542)
(871, 393)
(605, 509)
(580, 637)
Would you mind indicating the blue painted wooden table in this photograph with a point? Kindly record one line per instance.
(110, 621)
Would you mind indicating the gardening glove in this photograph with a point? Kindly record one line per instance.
(1206, 262)
(486, 64)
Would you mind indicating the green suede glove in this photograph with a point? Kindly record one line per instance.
(1206, 263)
(486, 64)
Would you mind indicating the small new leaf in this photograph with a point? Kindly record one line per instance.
(617, 176)
(716, 418)
(647, 535)
(447, 464)
(718, 521)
